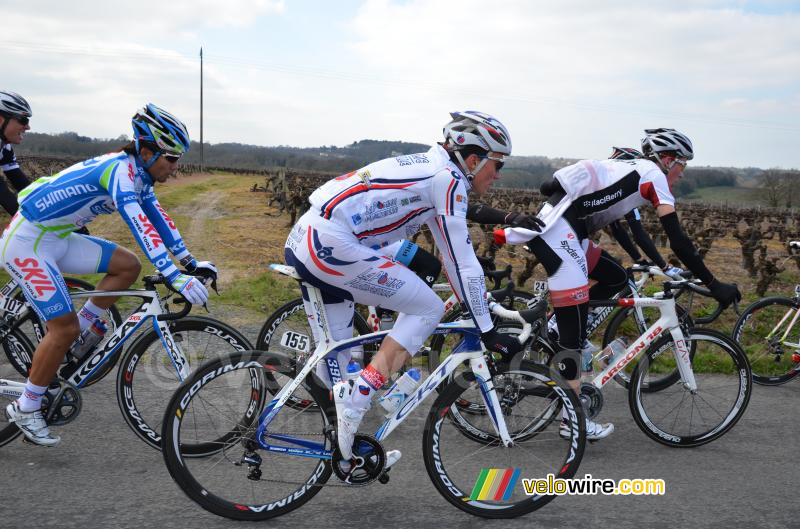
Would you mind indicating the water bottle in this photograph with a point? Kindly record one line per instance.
(90, 337)
(400, 390)
(612, 351)
(387, 319)
(353, 369)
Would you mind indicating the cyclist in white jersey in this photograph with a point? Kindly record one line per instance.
(40, 243)
(342, 245)
(591, 194)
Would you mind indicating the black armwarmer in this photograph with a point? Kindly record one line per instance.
(426, 266)
(684, 248)
(17, 179)
(644, 242)
(483, 214)
(621, 236)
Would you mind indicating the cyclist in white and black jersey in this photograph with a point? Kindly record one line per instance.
(15, 114)
(342, 245)
(594, 193)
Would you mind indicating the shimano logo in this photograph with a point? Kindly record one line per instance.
(596, 202)
(60, 194)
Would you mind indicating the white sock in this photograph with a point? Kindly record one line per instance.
(88, 313)
(31, 398)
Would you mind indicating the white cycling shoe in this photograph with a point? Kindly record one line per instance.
(594, 430)
(33, 425)
(348, 417)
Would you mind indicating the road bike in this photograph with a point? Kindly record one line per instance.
(156, 361)
(275, 457)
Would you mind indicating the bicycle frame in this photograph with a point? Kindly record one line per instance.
(667, 321)
(789, 328)
(151, 308)
(471, 349)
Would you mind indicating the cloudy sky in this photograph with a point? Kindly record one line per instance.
(568, 78)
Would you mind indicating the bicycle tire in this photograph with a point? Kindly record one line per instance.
(771, 365)
(9, 430)
(146, 360)
(729, 359)
(454, 476)
(253, 393)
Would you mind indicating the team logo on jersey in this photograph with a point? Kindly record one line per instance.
(149, 232)
(34, 278)
(100, 208)
(60, 194)
(357, 219)
(166, 217)
(131, 174)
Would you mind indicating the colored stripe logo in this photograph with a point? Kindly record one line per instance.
(495, 484)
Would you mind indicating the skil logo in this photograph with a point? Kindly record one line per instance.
(601, 201)
(34, 274)
(60, 194)
(131, 174)
(150, 231)
(166, 217)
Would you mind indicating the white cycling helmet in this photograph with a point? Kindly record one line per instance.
(13, 104)
(478, 129)
(667, 140)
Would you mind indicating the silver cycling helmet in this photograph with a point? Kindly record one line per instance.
(14, 104)
(657, 141)
(625, 153)
(478, 129)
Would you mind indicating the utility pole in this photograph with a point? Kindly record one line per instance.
(202, 154)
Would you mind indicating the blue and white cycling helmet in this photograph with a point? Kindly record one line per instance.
(160, 131)
(657, 141)
(13, 104)
(625, 153)
(478, 129)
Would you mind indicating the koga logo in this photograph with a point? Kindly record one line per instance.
(150, 232)
(166, 217)
(60, 194)
(595, 202)
(34, 274)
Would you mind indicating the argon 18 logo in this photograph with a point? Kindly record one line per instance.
(150, 231)
(34, 274)
(166, 217)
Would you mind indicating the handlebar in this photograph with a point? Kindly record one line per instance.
(150, 283)
(497, 276)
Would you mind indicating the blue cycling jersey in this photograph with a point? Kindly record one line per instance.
(113, 182)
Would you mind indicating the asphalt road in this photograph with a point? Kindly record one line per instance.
(103, 476)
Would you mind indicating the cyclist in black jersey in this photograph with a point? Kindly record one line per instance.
(15, 113)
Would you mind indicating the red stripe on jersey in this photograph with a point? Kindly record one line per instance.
(648, 191)
(448, 208)
(389, 227)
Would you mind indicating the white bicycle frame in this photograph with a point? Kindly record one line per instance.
(151, 307)
(667, 321)
(328, 345)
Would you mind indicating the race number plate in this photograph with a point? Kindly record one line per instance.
(296, 341)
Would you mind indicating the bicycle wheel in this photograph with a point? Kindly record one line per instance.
(459, 469)
(147, 378)
(626, 323)
(16, 343)
(770, 337)
(678, 417)
(34, 330)
(241, 481)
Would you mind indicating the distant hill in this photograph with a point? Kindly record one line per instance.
(521, 171)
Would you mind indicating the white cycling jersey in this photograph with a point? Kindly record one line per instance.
(387, 201)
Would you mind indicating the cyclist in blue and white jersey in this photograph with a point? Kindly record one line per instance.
(15, 114)
(591, 194)
(340, 246)
(40, 243)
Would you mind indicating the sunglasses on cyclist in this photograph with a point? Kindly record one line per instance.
(499, 162)
(172, 158)
(23, 120)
